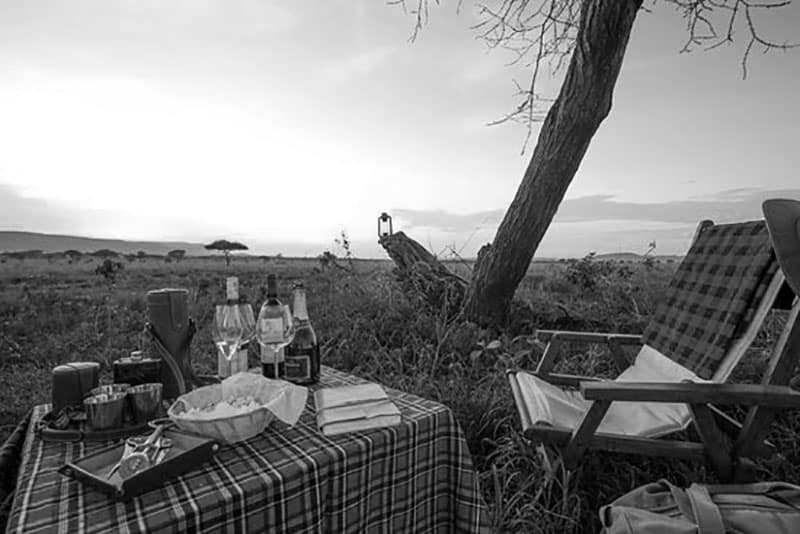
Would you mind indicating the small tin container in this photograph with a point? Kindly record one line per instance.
(136, 369)
(145, 400)
(105, 410)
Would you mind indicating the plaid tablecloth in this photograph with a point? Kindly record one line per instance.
(415, 477)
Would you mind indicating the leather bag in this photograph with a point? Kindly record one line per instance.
(760, 508)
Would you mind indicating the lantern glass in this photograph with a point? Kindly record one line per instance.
(384, 225)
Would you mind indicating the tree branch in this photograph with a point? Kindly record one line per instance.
(535, 31)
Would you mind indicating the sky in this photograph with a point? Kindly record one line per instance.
(282, 123)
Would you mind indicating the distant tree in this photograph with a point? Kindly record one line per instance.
(73, 254)
(226, 247)
(130, 257)
(108, 270)
(105, 253)
(176, 255)
(142, 255)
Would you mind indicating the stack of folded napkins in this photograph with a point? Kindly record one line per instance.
(350, 408)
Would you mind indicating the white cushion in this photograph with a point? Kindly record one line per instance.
(550, 404)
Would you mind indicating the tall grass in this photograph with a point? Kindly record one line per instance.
(53, 313)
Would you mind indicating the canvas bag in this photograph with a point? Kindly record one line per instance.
(761, 508)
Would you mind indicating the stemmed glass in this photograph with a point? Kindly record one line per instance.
(275, 328)
(228, 330)
(248, 323)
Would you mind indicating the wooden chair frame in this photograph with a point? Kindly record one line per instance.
(726, 443)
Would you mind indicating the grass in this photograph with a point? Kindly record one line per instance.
(56, 312)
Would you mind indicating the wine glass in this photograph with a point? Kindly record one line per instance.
(228, 330)
(248, 323)
(275, 328)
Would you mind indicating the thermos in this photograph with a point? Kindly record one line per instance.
(72, 381)
(172, 330)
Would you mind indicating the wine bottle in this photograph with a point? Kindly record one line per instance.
(239, 360)
(271, 331)
(272, 362)
(302, 354)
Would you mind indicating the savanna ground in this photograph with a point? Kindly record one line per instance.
(56, 312)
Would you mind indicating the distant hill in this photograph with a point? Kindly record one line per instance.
(17, 241)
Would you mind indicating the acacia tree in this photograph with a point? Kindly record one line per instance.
(589, 37)
(226, 247)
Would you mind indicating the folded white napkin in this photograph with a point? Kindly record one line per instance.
(351, 408)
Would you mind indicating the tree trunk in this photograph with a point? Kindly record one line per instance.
(582, 104)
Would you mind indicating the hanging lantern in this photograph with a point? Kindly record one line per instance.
(384, 225)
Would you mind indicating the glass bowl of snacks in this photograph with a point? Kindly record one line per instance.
(240, 407)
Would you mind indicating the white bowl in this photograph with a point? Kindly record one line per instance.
(229, 429)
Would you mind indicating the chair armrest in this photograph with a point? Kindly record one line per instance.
(692, 393)
(559, 379)
(589, 337)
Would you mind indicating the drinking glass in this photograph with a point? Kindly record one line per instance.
(228, 330)
(274, 327)
(248, 323)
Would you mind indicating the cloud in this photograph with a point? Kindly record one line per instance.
(32, 214)
(723, 206)
(598, 222)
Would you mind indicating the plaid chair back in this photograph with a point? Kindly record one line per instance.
(713, 295)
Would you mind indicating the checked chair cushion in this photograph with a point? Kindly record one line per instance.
(713, 295)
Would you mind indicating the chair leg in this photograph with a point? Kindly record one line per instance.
(717, 445)
(582, 435)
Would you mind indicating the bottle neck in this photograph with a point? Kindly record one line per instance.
(232, 289)
(272, 288)
(299, 308)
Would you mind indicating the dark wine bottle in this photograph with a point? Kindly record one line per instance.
(302, 354)
(269, 330)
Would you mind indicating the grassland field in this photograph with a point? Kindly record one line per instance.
(52, 312)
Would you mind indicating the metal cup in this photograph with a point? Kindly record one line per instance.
(105, 410)
(145, 400)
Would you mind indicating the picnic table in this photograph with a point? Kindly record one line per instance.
(414, 477)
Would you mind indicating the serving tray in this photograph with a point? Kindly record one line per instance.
(188, 451)
(78, 429)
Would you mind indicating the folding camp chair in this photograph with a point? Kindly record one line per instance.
(715, 305)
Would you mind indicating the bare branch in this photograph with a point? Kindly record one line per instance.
(537, 31)
(703, 15)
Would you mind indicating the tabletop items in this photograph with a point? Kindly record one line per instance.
(72, 381)
(128, 469)
(136, 369)
(302, 354)
(351, 408)
(289, 348)
(240, 407)
(416, 476)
